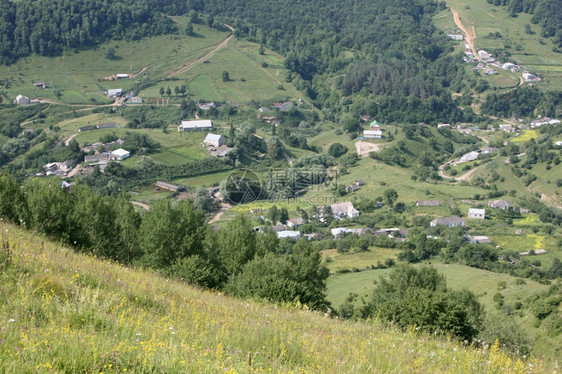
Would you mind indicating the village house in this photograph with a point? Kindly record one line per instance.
(471, 156)
(122, 76)
(86, 128)
(507, 128)
(22, 100)
(499, 204)
(136, 100)
(477, 239)
(344, 210)
(169, 186)
(288, 234)
(58, 168)
(115, 92)
(443, 125)
(221, 151)
(295, 223)
(339, 231)
(197, 125)
(205, 106)
(428, 203)
(119, 154)
(457, 37)
(108, 125)
(278, 227)
(475, 213)
(214, 140)
(453, 221)
(40, 84)
(100, 157)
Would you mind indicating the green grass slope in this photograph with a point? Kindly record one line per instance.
(63, 312)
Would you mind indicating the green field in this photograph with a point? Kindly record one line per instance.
(361, 260)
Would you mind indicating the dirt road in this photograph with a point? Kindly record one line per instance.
(69, 139)
(146, 207)
(224, 207)
(189, 65)
(469, 35)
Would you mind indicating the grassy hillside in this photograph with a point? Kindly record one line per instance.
(63, 312)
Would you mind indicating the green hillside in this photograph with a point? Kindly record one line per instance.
(63, 312)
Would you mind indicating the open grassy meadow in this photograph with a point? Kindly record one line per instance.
(64, 312)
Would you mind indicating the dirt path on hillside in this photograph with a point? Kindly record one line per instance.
(223, 209)
(69, 139)
(469, 35)
(146, 207)
(189, 65)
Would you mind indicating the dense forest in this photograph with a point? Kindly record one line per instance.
(49, 27)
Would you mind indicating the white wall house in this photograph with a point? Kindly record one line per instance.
(214, 140)
(475, 213)
(197, 125)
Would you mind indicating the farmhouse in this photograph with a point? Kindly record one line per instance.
(344, 210)
(295, 222)
(108, 125)
(136, 100)
(372, 134)
(114, 92)
(288, 234)
(475, 213)
(507, 128)
(122, 76)
(86, 128)
(97, 158)
(169, 186)
(40, 84)
(453, 221)
(456, 37)
(339, 231)
(471, 156)
(205, 106)
(214, 140)
(499, 204)
(119, 154)
(22, 100)
(477, 239)
(443, 125)
(197, 125)
(428, 203)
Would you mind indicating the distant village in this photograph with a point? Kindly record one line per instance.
(486, 64)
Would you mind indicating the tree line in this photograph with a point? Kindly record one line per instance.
(170, 238)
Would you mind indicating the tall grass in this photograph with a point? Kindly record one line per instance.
(65, 312)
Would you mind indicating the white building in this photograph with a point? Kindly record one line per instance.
(197, 125)
(214, 140)
(288, 234)
(121, 76)
(136, 100)
(449, 221)
(344, 210)
(475, 213)
(120, 154)
(372, 134)
(456, 37)
(114, 92)
(22, 100)
(471, 156)
(337, 232)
